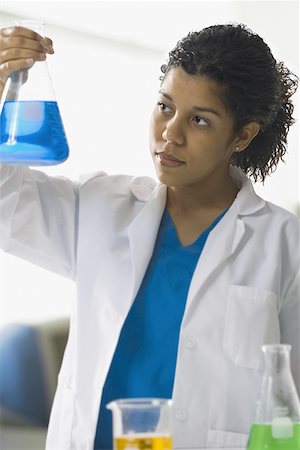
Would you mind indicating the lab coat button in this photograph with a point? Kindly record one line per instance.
(189, 344)
(180, 415)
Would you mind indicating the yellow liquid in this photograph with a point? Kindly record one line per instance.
(143, 443)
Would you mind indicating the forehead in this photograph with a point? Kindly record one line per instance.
(192, 89)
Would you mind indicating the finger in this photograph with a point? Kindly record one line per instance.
(9, 67)
(20, 31)
(16, 53)
(26, 33)
(48, 44)
(21, 42)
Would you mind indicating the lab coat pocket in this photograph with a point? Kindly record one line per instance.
(251, 321)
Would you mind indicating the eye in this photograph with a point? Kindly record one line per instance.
(200, 121)
(163, 107)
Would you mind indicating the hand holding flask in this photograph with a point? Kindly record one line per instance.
(31, 129)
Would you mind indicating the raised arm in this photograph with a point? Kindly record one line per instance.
(37, 212)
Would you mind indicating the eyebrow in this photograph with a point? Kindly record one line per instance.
(197, 108)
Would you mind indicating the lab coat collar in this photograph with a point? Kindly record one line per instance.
(225, 238)
(143, 187)
(222, 241)
(247, 201)
(143, 230)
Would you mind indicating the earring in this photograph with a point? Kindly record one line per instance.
(237, 148)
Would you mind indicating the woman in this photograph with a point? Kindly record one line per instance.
(180, 282)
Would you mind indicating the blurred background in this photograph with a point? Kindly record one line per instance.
(105, 73)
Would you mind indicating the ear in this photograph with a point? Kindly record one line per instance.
(245, 136)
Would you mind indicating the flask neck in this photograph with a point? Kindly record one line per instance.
(32, 84)
(34, 25)
(277, 359)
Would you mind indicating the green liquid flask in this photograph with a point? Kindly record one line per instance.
(277, 423)
(31, 129)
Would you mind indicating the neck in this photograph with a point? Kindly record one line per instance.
(189, 200)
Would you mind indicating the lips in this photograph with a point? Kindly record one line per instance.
(168, 160)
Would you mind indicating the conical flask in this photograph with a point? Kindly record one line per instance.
(277, 423)
(31, 129)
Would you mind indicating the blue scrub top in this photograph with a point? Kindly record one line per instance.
(144, 362)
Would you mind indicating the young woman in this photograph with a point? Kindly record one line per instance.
(180, 282)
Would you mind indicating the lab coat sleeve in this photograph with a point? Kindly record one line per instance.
(38, 218)
(289, 317)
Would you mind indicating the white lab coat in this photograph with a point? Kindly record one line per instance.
(244, 293)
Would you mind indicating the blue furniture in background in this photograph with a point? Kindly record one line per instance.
(30, 359)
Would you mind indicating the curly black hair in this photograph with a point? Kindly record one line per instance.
(254, 87)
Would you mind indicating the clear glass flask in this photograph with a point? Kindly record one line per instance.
(277, 423)
(141, 424)
(31, 129)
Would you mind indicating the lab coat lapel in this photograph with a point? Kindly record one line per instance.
(142, 234)
(223, 241)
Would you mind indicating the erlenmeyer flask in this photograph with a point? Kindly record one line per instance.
(31, 129)
(277, 424)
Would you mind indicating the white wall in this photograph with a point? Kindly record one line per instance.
(105, 73)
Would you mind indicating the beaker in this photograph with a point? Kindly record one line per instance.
(141, 423)
(31, 128)
(277, 422)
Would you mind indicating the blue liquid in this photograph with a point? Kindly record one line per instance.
(32, 133)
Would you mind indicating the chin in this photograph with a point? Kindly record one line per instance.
(161, 176)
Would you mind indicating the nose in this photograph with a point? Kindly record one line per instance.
(173, 132)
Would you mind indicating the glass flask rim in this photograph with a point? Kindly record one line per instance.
(35, 21)
(144, 402)
(276, 347)
(32, 24)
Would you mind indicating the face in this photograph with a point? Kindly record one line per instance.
(191, 132)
